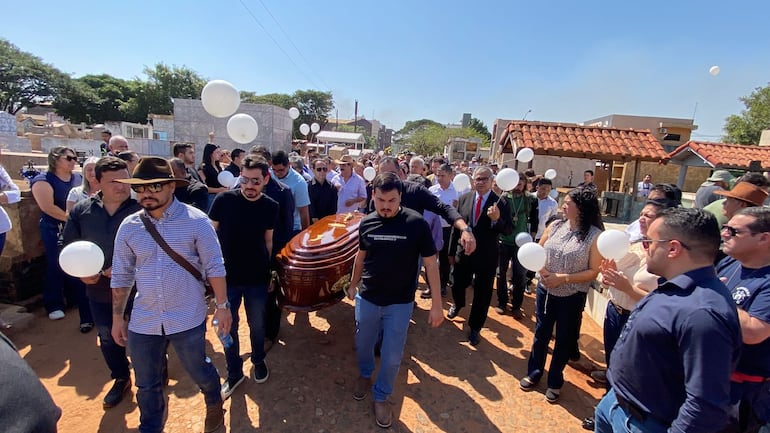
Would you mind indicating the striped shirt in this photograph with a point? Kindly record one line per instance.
(168, 299)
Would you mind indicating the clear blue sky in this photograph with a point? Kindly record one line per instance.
(567, 61)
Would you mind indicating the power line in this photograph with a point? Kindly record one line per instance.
(294, 45)
(279, 45)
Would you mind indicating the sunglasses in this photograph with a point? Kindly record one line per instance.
(647, 242)
(152, 187)
(733, 232)
(70, 157)
(322, 169)
(249, 180)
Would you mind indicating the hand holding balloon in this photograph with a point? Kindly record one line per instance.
(493, 212)
(612, 277)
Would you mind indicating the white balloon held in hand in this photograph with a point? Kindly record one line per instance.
(81, 259)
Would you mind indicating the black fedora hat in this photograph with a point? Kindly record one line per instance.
(152, 169)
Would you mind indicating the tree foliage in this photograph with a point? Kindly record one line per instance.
(25, 79)
(314, 106)
(413, 125)
(278, 99)
(430, 137)
(479, 126)
(98, 98)
(747, 127)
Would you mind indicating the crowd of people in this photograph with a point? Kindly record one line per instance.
(685, 328)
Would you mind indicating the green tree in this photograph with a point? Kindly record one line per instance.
(414, 125)
(479, 126)
(25, 79)
(97, 98)
(278, 99)
(156, 94)
(747, 127)
(314, 106)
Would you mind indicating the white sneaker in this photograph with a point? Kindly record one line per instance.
(56, 315)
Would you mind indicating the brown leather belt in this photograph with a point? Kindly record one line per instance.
(622, 311)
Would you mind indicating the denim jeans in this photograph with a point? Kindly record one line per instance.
(148, 354)
(613, 324)
(114, 354)
(443, 258)
(57, 283)
(564, 313)
(506, 256)
(2, 242)
(611, 418)
(393, 321)
(254, 299)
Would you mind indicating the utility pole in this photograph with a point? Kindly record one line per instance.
(355, 118)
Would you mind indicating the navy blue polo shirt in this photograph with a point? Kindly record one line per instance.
(675, 355)
(751, 292)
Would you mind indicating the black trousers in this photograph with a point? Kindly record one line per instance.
(443, 258)
(482, 276)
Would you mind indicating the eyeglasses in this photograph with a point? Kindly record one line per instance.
(647, 242)
(250, 180)
(152, 187)
(319, 169)
(481, 179)
(733, 232)
(70, 157)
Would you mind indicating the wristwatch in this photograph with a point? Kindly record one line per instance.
(468, 229)
(223, 306)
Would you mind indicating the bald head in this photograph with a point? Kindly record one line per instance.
(117, 144)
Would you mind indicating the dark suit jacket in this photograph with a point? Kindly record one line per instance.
(484, 231)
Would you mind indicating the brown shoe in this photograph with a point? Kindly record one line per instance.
(363, 384)
(382, 414)
(215, 418)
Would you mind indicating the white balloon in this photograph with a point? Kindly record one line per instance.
(314, 128)
(461, 182)
(369, 173)
(242, 128)
(220, 98)
(532, 256)
(554, 194)
(714, 70)
(304, 129)
(525, 155)
(613, 244)
(81, 259)
(226, 178)
(507, 179)
(523, 238)
(293, 112)
(550, 174)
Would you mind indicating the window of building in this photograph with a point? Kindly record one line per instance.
(160, 135)
(672, 137)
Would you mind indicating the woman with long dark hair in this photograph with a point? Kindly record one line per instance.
(210, 168)
(573, 262)
(50, 190)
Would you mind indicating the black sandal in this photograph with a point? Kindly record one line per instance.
(588, 423)
(85, 328)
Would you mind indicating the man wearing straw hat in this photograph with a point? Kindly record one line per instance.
(169, 305)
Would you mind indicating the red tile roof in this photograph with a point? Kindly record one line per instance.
(573, 140)
(724, 155)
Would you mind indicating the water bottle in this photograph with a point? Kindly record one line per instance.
(226, 339)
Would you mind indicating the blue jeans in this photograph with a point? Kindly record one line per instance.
(564, 313)
(254, 300)
(611, 418)
(2, 242)
(114, 354)
(393, 322)
(56, 281)
(148, 353)
(613, 324)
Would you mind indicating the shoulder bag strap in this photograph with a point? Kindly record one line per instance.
(171, 253)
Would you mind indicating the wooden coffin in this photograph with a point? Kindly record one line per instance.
(316, 263)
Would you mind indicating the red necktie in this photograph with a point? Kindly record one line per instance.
(478, 211)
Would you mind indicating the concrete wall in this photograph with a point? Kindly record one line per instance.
(22, 264)
(192, 124)
(563, 166)
(668, 173)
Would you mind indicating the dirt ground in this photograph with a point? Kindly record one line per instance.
(444, 384)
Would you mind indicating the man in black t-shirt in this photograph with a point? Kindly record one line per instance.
(244, 219)
(383, 284)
